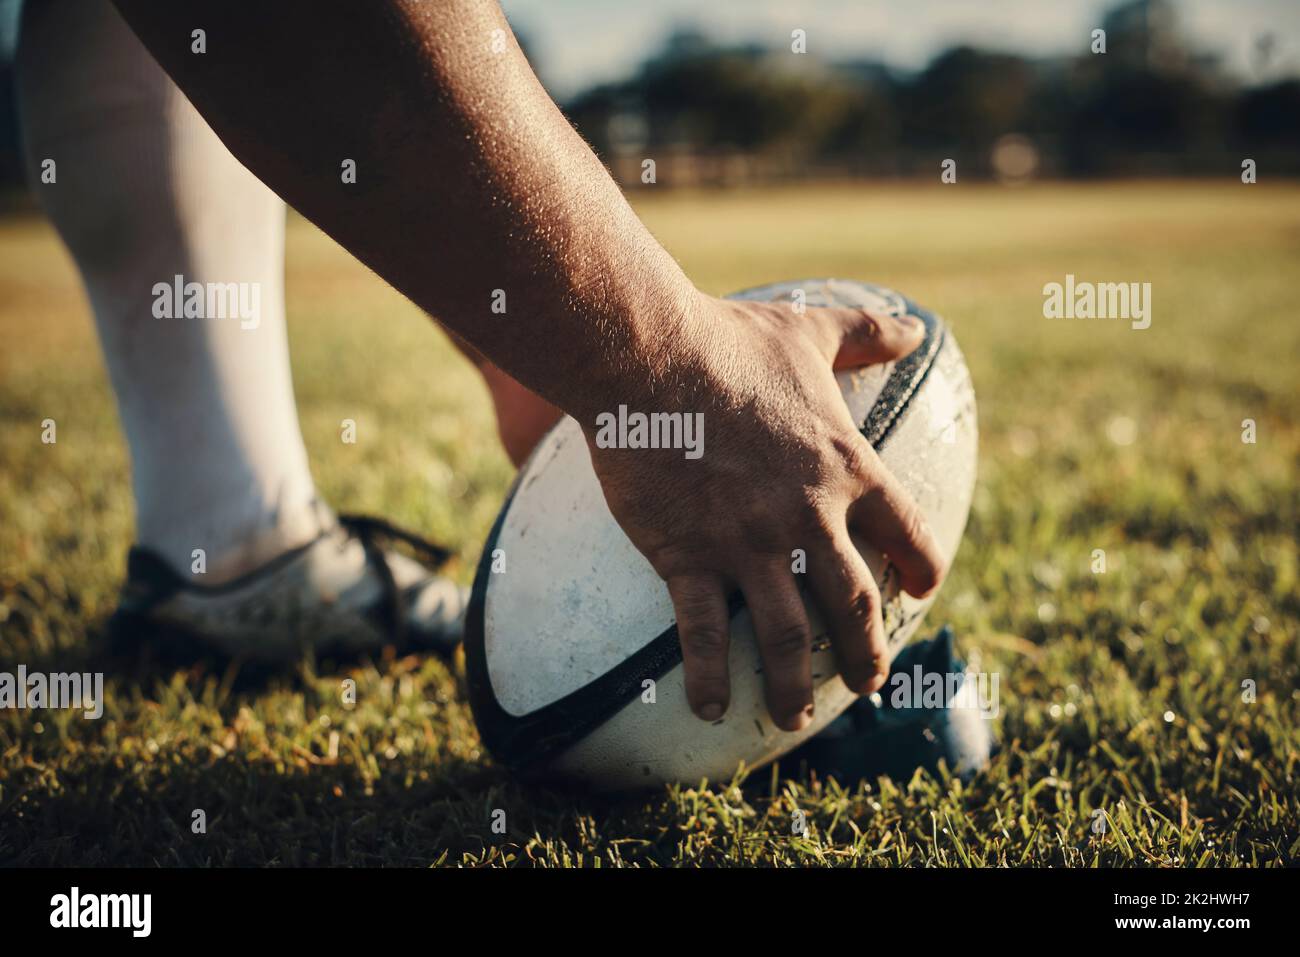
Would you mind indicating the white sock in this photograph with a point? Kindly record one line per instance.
(146, 192)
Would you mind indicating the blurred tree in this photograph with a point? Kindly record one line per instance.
(1150, 104)
(1143, 35)
(1269, 117)
(698, 96)
(1145, 105)
(964, 101)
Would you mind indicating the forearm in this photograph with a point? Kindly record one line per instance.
(468, 178)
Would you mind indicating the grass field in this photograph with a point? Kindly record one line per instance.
(1120, 691)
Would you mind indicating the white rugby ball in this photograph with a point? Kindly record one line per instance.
(572, 654)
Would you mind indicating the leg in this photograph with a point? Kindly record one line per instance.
(146, 192)
(523, 416)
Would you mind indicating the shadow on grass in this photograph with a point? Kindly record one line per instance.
(89, 797)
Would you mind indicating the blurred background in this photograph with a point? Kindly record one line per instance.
(892, 87)
(1121, 690)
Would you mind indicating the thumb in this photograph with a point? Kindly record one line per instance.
(865, 338)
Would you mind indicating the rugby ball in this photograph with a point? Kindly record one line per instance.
(574, 666)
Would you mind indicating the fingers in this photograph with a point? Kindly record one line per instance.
(702, 628)
(888, 518)
(850, 603)
(784, 643)
(860, 338)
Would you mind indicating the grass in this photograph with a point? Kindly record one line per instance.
(1121, 692)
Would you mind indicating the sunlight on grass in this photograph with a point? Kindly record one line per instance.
(1121, 693)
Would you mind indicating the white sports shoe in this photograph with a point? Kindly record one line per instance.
(343, 593)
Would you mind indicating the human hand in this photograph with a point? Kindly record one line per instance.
(784, 467)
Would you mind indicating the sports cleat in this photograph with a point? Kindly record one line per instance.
(874, 737)
(343, 593)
